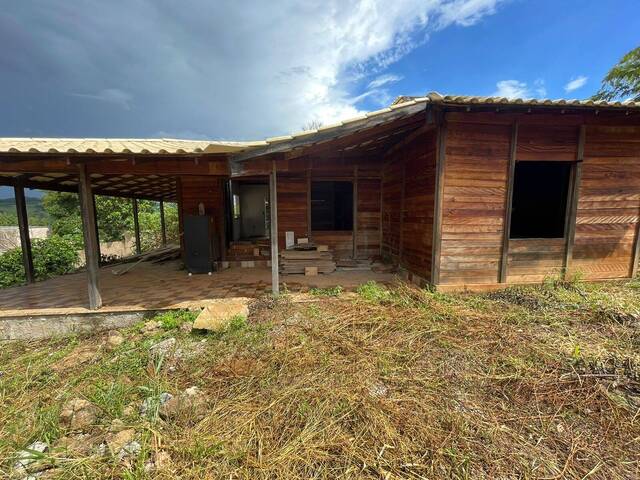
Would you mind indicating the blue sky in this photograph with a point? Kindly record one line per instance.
(248, 70)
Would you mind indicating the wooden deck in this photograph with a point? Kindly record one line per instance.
(157, 287)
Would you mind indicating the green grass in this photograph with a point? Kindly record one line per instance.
(327, 292)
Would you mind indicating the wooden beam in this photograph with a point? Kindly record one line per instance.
(635, 265)
(437, 202)
(408, 138)
(572, 207)
(163, 225)
(23, 226)
(273, 208)
(308, 202)
(355, 212)
(506, 223)
(136, 226)
(95, 222)
(90, 239)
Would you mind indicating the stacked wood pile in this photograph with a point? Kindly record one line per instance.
(299, 257)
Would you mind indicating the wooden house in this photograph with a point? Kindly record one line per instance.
(457, 192)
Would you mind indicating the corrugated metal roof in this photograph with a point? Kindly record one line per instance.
(119, 145)
(435, 97)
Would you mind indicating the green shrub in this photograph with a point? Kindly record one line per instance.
(51, 256)
(174, 318)
(374, 292)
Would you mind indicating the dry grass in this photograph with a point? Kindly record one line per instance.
(524, 383)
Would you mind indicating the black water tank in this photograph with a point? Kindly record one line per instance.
(197, 243)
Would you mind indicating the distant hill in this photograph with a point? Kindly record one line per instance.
(37, 215)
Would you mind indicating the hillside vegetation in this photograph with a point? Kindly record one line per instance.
(382, 383)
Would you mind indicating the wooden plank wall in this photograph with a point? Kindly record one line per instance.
(368, 218)
(474, 197)
(473, 203)
(408, 184)
(533, 260)
(609, 202)
(209, 190)
(292, 206)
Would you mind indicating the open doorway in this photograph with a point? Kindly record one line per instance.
(249, 202)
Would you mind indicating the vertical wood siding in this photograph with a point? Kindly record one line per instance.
(292, 206)
(368, 218)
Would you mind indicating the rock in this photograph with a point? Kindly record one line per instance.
(130, 410)
(161, 461)
(186, 327)
(151, 327)
(29, 460)
(78, 414)
(378, 390)
(80, 445)
(190, 405)
(115, 339)
(116, 425)
(117, 441)
(76, 357)
(151, 402)
(216, 316)
(163, 349)
(131, 449)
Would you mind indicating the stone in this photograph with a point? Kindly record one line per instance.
(131, 449)
(151, 327)
(117, 441)
(78, 414)
(216, 316)
(78, 356)
(115, 339)
(28, 460)
(150, 402)
(160, 461)
(117, 425)
(378, 390)
(80, 445)
(186, 327)
(190, 405)
(130, 410)
(163, 349)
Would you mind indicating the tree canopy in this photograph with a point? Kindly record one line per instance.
(623, 80)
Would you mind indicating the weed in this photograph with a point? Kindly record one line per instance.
(174, 318)
(374, 292)
(327, 292)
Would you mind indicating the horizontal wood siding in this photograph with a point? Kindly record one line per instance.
(474, 201)
(608, 203)
(292, 206)
(533, 260)
(408, 185)
(392, 188)
(209, 191)
(368, 218)
(340, 243)
(419, 190)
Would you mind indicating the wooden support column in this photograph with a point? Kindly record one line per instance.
(635, 265)
(23, 226)
(309, 203)
(506, 223)
(273, 208)
(90, 238)
(163, 225)
(572, 207)
(355, 212)
(95, 222)
(437, 203)
(136, 226)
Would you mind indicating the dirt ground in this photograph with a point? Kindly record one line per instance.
(538, 382)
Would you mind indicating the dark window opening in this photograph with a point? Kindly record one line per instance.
(539, 206)
(331, 206)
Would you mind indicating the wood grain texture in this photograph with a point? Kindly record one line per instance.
(292, 206)
(608, 204)
(208, 190)
(473, 204)
(408, 184)
(368, 218)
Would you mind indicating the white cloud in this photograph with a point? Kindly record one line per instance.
(518, 89)
(575, 83)
(384, 80)
(511, 89)
(109, 95)
(220, 69)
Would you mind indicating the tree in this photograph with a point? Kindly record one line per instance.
(313, 124)
(623, 80)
